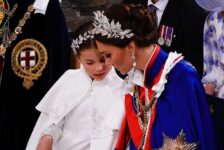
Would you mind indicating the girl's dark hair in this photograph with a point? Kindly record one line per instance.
(136, 17)
(88, 43)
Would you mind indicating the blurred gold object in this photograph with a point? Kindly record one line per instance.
(2, 15)
(177, 144)
(29, 73)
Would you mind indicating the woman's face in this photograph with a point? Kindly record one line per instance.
(94, 63)
(119, 57)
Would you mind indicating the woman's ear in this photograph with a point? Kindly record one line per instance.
(131, 47)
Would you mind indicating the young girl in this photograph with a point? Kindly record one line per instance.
(84, 108)
(166, 109)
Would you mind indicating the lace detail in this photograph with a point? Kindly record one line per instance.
(99, 126)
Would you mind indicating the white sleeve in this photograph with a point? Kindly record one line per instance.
(55, 130)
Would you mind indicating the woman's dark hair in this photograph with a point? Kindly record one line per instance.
(136, 17)
(89, 42)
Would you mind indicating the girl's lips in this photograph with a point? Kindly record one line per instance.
(100, 74)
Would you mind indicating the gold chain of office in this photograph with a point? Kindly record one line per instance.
(17, 30)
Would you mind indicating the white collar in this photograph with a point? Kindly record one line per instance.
(135, 77)
(111, 75)
(40, 6)
(138, 78)
(160, 5)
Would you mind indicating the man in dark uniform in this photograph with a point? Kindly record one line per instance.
(180, 25)
(36, 51)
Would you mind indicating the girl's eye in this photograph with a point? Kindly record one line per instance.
(89, 63)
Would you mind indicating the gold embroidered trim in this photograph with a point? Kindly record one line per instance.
(32, 72)
(177, 144)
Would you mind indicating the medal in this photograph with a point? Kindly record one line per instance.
(169, 36)
(168, 43)
(161, 39)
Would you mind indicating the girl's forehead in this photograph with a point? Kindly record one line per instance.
(91, 52)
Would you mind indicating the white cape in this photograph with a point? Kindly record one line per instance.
(68, 92)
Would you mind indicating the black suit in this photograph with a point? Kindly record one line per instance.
(17, 104)
(187, 19)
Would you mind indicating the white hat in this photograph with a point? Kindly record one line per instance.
(211, 5)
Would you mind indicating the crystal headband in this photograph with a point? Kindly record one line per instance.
(78, 41)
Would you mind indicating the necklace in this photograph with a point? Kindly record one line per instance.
(6, 42)
(146, 114)
(4, 21)
(8, 38)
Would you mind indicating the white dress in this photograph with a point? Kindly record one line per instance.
(214, 52)
(81, 114)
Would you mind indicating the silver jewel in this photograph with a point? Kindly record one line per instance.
(161, 41)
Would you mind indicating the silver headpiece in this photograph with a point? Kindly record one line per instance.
(111, 30)
(78, 41)
(105, 28)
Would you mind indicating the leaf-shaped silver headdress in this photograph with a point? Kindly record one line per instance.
(103, 26)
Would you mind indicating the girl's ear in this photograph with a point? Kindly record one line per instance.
(77, 61)
(77, 58)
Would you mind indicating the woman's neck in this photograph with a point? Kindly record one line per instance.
(143, 55)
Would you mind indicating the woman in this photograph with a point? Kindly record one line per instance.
(213, 78)
(84, 108)
(166, 108)
(213, 48)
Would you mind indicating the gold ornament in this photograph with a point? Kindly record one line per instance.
(177, 144)
(8, 39)
(30, 69)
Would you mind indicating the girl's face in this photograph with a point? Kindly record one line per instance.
(119, 57)
(94, 63)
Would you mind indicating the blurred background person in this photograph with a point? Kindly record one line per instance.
(180, 25)
(213, 78)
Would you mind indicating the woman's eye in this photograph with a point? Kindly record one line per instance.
(102, 60)
(107, 55)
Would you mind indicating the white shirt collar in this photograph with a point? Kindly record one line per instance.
(136, 77)
(160, 5)
(40, 6)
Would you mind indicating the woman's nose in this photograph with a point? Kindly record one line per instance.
(109, 61)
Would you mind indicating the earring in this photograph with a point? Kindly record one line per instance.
(133, 59)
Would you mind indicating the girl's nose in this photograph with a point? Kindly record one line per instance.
(99, 67)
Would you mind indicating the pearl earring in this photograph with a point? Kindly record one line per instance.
(133, 59)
